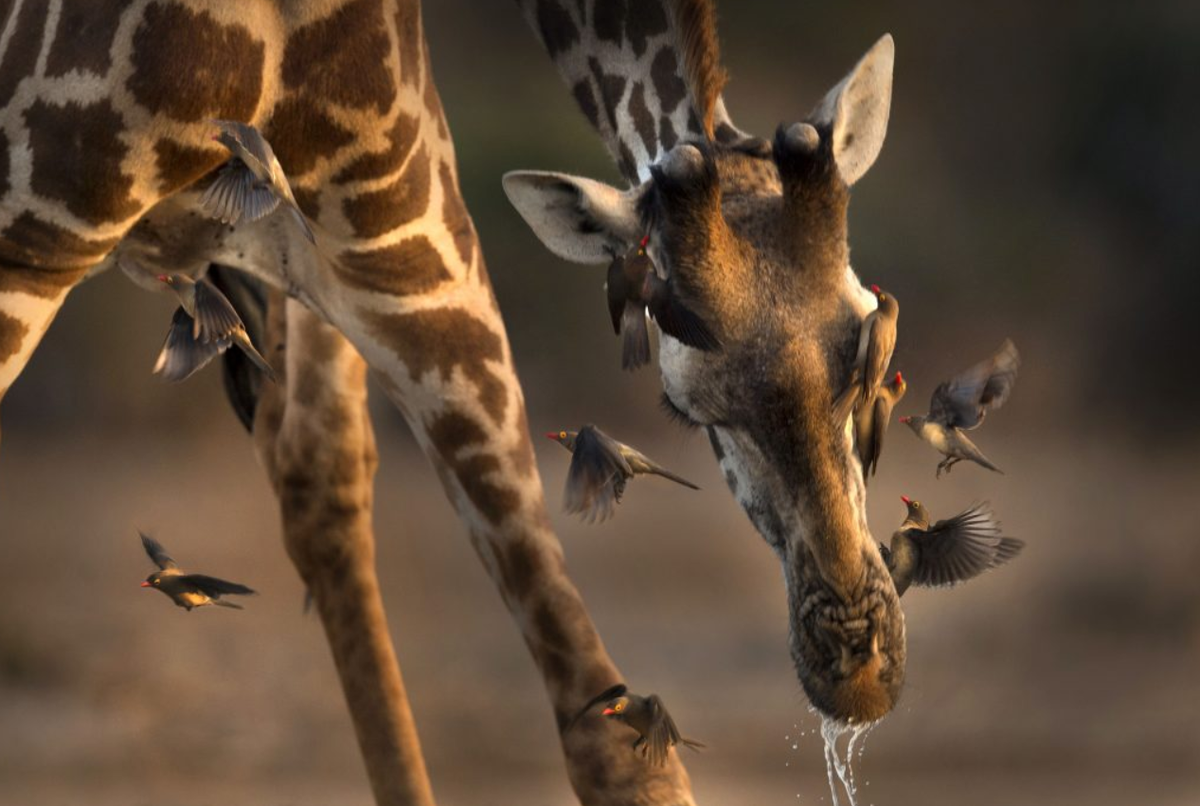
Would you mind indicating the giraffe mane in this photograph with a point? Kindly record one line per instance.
(696, 30)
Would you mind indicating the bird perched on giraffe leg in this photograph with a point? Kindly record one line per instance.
(871, 423)
(252, 184)
(188, 590)
(204, 326)
(633, 287)
(948, 552)
(648, 717)
(600, 468)
(876, 342)
(961, 404)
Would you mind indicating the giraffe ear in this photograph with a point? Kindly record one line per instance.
(577, 219)
(856, 111)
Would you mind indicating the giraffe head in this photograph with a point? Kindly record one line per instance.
(752, 235)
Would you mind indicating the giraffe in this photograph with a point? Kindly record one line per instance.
(752, 234)
(105, 140)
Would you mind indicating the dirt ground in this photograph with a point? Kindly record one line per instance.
(1066, 678)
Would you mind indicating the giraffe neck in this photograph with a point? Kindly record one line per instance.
(645, 73)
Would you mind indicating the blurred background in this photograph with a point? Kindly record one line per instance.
(1040, 181)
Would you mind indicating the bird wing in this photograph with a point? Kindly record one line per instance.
(881, 343)
(216, 318)
(596, 468)
(878, 428)
(964, 400)
(959, 548)
(214, 587)
(610, 693)
(236, 194)
(675, 317)
(182, 354)
(662, 734)
(250, 146)
(156, 552)
(616, 287)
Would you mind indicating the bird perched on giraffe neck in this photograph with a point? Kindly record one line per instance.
(961, 404)
(647, 716)
(876, 342)
(204, 326)
(949, 551)
(252, 184)
(187, 590)
(600, 468)
(634, 287)
(871, 423)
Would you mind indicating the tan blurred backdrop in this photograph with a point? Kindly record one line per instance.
(1040, 181)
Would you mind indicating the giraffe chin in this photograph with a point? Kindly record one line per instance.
(849, 652)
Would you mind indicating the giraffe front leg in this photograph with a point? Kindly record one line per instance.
(445, 362)
(29, 300)
(314, 434)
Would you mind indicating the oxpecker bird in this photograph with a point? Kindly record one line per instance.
(961, 404)
(633, 287)
(876, 341)
(252, 184)
(871, 423)
(187, 590)
(949, 551)
(600, 467)
(204, 326)
(647, 716)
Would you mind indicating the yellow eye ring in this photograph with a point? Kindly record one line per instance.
(562, 434)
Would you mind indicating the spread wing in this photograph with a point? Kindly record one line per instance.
(597, 474)
(962, 547)
(214, 588)
(676, 318)
(662, 734)
(237, 194)
(156, 552)
(182, 354)
(964, 400)
(216, 318)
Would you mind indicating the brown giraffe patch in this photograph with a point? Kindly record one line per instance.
(401, 137)
(666, 133)
(445, 339)
(21, 57)
(667, 83)
(643, 120)
(617, 21)
(558, 30)
(405, 199)
(84, 38)
(587, 101)
(301, 134)
(77, 159)
(12, 335)
(627, 163)
(189, 67)
(180, 165)
(412, 266)
(309, 201)
(452, 431)
(454, 214)
(41, 258)
(608, 21)
(612, 87)
(408, 38)
(319, 61)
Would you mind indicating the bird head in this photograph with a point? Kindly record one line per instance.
(169, 279)
(917, 514)
(152, 581)
(616, 708)
(564, 438)
(913, 421)
(899, 383)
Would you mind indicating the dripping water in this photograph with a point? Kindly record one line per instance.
(831, 731)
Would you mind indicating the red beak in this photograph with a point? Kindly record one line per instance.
(899, 378)
(906, 499)
(608, 712)
(645, 240)
(875, 289)
(145, 584)
(552, 436)
(162, 278)
(905, 419)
